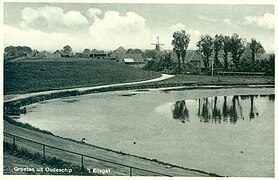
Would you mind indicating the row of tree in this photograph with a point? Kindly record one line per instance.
(229, 44)
(237, 53)
(208, 46)
(11, 52)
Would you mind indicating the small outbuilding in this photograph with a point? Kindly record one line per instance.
(131, 59)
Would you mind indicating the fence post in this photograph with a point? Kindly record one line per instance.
(130, 171)
(43, 151)
(82, 163)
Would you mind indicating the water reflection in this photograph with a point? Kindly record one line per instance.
(221, 109)
(180, 111)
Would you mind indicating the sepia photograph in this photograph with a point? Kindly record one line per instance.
(144, 89)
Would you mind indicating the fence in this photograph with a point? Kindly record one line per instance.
(16, 140)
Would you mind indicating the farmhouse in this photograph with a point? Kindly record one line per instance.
(99, 55)
(58, 54)
(42, 54)
(120, 50)
(131, 59)
(45, 54)
(82, 55)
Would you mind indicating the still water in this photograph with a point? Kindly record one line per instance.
(229, 132)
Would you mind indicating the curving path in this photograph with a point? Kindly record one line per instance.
(12, 97)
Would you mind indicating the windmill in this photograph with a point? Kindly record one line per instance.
(157, 45)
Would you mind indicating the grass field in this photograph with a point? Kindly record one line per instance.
(41, 75)
(224, 80)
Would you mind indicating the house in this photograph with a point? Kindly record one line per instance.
(130, 59)
(82, 55)
(196, 59)
(42, 54)
(99, 55)
(58, 54)
(67, 54)
(120, 50)
(45, 54)
(33, 54)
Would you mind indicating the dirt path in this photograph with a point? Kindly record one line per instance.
(93, 152)
(12, 97)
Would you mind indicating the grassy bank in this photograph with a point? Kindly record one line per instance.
(33, 76)
(224, 80)
(16, 158)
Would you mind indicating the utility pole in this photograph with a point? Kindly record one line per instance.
(212, 67)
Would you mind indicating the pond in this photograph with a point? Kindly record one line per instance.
(229, 132)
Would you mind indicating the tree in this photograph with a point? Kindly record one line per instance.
(226, 49)
(162, 63)
(137, 51)
(180, 43)
(237, 48)
(272, 64)
(255, 46)
(269, 65)
(134, 51)
(87, 51)
(149, 54)
(166, 62)
(205, 48)
(130, 51)
(67, 51)
(217, 46)
(17, 50)
(120, 50)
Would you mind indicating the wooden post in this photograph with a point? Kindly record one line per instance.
(82, 163)
(43, 151)
(130, 171)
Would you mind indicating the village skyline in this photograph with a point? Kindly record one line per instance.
(50, 26)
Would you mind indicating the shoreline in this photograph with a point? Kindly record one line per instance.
(69, 140)
(20, 102)
(11, 97)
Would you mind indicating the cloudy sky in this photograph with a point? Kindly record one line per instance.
(50, 26)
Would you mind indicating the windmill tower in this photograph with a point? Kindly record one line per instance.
(157, 45)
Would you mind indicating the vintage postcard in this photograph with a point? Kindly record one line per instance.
(144, 89)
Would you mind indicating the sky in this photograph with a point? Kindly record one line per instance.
(51, 26)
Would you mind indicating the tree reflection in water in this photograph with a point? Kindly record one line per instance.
(218, 110)
(225, 110)
(253, 112)
(216, 113)
(180, 111)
